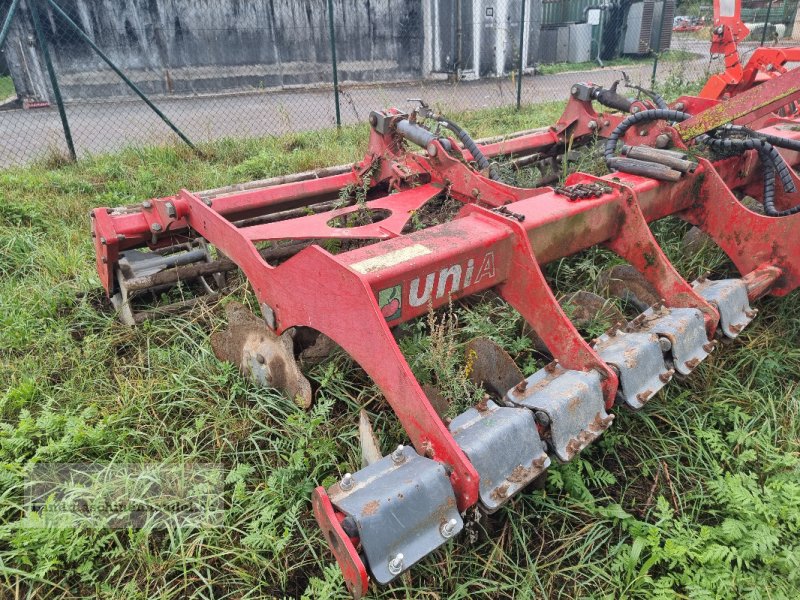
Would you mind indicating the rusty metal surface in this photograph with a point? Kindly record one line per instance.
(746, 107)
(639, 360)
(402, 505)
(569, 404)
(490, 366)
(628, 284)
(266, 358)
(729, 296)
(685, 330)
(585, 309)
(505, 447)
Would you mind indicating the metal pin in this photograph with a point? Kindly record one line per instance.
(347, 482)
(665, 344)
(155, 227)
(448, 529)
(396, 564)
(398, 456)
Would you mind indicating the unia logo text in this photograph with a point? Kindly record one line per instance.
(436, 285)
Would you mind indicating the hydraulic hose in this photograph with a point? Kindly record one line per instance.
(772, 139)
(772, 162)
(481, 160)
(645, 116)
(657, 98)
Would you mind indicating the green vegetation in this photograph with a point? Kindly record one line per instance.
(6, 87)
(695, 496)
(624, 61)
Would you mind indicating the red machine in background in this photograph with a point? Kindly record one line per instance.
(764, 63)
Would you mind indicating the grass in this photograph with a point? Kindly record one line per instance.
(6, 87)
(695, 496)
(624, 61)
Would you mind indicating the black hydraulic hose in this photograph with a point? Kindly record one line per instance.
(611, 99)
(657, 98)
(772, 163)
(772, 160)
(645, 116)
(775, 140)
(481, 160)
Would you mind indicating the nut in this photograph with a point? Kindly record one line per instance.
(397, 456)
(396, 564)
(448, 529)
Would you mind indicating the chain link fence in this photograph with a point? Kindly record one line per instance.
(81, 77)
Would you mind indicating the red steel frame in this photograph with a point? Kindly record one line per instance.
(346, 296)
(764, 64)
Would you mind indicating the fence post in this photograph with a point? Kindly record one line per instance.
(7, 23)
(766, 23)
(658, 53)
(521, 53)
(37, 27)
(333, 61)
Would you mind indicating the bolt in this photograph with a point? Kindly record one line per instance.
(551, 367)
(147, 204)
(260, 359)
(680, 106)
(396, 564)
(373, 119)
(448, 529)
(542, 417)
(397, 456)
(574, 90)
(667, 375)
(635, 109)
(347, 482)
(432, 150)
(155, 227)
(521, 386)
(709, 347)
(665, 344)
(170, 209)
(103, 241)
(643, 132)
(751, 313)
(592, 125)
(207, 201)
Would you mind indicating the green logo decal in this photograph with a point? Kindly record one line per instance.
(390, 302)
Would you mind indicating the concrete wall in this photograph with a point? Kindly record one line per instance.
(207, 46)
